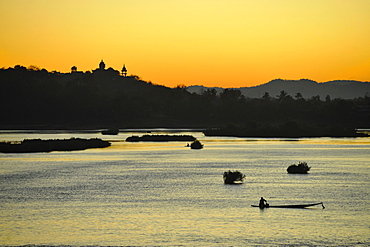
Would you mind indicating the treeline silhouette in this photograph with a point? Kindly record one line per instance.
(100, 99)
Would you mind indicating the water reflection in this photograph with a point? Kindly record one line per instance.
(166, 194)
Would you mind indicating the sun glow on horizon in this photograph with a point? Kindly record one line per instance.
(226, 43)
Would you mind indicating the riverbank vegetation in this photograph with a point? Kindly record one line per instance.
(32, 97)
(288, 129)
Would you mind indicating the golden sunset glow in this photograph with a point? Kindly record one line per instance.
(227, 43)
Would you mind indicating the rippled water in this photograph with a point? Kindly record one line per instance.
(164, 194)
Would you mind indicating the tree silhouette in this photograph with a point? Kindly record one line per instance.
(266, 96)
(283, 96)
(298, 96)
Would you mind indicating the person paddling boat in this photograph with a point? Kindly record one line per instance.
(263, 204)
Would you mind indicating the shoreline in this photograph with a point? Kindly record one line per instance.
(363, 132)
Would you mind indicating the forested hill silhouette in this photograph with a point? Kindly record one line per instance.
(307, 88)
(105, 98)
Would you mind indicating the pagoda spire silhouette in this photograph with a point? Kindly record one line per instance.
(102, 65)
(124, 71)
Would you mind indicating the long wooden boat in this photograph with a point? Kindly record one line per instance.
(160, 138)
(110, 132)
(291, 206)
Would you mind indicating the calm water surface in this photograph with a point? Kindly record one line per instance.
(164, 194)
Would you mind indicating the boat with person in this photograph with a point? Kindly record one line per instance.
(290, 206)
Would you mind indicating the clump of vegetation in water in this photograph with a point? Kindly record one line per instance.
(301, 168)
(233, 177)
(196, 145)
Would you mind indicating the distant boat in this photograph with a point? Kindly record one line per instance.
(196, 145)
(290, 206)
(301, 168)
(233, 177)
(110, 132)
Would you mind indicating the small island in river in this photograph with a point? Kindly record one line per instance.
(38, 145)
(196, 145)
(160, 138)
(233, 177)
(301, 168)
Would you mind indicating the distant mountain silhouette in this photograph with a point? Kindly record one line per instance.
(308, 88)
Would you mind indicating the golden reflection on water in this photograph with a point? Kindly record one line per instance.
(127, 226)
(98, 196)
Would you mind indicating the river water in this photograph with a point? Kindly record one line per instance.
(165, 194)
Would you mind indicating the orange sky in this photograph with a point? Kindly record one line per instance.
(227, 43)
